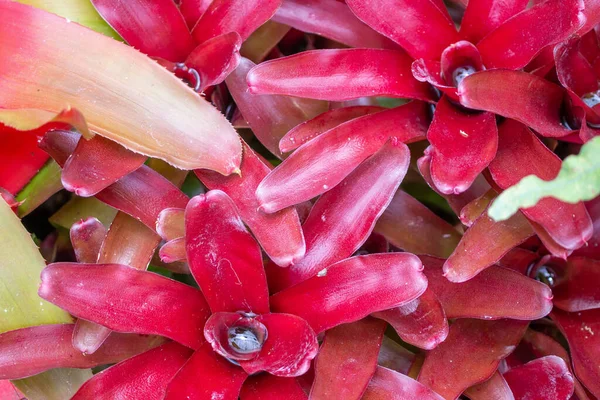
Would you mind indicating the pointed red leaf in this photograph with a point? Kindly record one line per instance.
(206, 376)
(280, 233)
(339, 74)
(312, 128)
(577, 289)
(494, 388)
(470, 354)
(514, 43)
(21, 158)
(541, 379)
(343, 218)
(483, 16)
(527, 98)
(192, 10)
(87, 236)
(241, 16)
(270, 116)
(30, 351)
(353, 288)
(223, 257)
(581, 331)
(171, 223)
(412, 227)
(421, 322)
(155, 27)
(515, 296)
(145, 376)
(462, 146)
(422, 28)
(173, 251)
(349, 350)
(215, 59)
(484, 244)
(290, 347)
(269, 387)
(96, 164)
(331, 19)
(139, 301)
(521, 153)
(389, 385)
(325, 161)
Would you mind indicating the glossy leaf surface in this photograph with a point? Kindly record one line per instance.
(577, 290)
(389, 385)
(270, 387)
(87, 237)
(483, 16)
(544, 378)
(494, 388)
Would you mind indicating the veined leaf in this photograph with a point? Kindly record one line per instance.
(578, 180)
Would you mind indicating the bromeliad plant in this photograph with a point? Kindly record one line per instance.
(328, 242)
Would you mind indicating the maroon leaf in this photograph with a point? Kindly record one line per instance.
(87, 236)
(352, 289)
(280, 233)
(470, 354)
(421, 322)
(155, 27)
(515, 296)
(343, 218)
(527, 98)
(494, 388)
(331, 19)
(223, 257)
(521, 153)
(483, 16)
(411, 226)
(241, 16)
(541, 379)
(325, 75)
(514, 43)
(192, 10)
(30, 351)
(348, 351)
(577, 289)
(325, 161)
(290, 347)
(220, 379)
(469, 213)
(146, 375)
(269, 387)
(139, 301)
(389, 385)
(422, 28)
(462, 145)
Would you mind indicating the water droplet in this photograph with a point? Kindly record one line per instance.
(546, 275)
(591, 99)
(243, 340)
(322, 273)
(461, 73)
(325, 187)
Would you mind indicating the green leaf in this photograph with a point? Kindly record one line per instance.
(20, 306)
(578, 180)
(39, 189)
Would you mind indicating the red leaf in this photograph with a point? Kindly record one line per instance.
(348, 351)
(527, 98)
(577, 289)
(421, 28)
(173, 251)
(339, 75)
(206, 376)
(389, 385)
(241, 16)
(192, 10)
(515, 296)
(139, 301)
(541, 379)
(514, 43)
(353, 288)
(87, 236)
(325, 161)
(462, 146)
(343, 218)
(483, 16)
(155, 27)
(96, 164)
(9, 392)
(461, 54)
(21, 158)
(269, 387)
(494, 388)
(470, 354)
(331, 19)
(421, 322)
(30, 351)
(521, 153)
(289, 348)
(312, 128)
(223, 257)
(280, 233)
(412, 227)
(146, 375)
